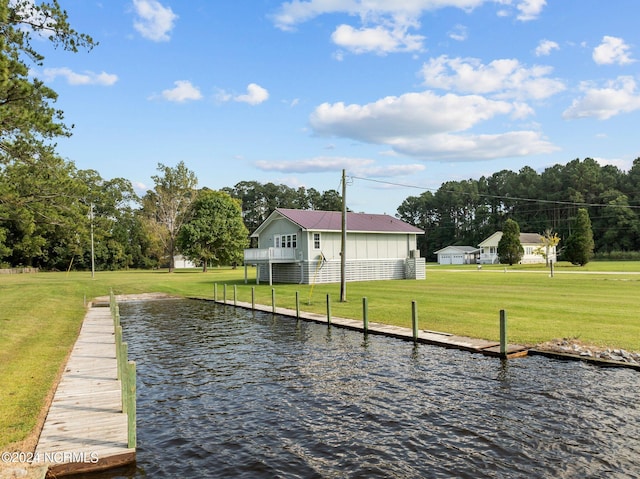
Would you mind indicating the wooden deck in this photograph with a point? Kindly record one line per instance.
(488, 348)
(85, 429)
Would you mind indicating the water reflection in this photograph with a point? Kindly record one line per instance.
(230, 393)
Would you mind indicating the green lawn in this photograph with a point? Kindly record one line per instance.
(40, 314)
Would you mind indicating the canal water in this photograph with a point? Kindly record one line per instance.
(230, 393)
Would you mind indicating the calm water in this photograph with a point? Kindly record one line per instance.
(229, 393)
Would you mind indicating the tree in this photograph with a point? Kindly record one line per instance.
(33, 208)
(510, 249)
(214, 233)
(548, 240)
(579, 246)
(167, 206)
(27, 118)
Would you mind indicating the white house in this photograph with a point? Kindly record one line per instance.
(530, 242)
(303, 246)
(181, 262)
(457, 255)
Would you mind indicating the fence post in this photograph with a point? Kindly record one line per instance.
(297, 304)
(235, 295)
(503, 333)
(131, 401)
(328, 310)
(253, 298)
(224, 293)
(273, 300)
(365, 315)
(215, 292)
(124, 380)
(118, 340)
(414, 320)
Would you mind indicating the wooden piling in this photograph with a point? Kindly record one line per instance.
(273, 300)
(414, 320)
(365, 315)
(503, 333)
(328, 310)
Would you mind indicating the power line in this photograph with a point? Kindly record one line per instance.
(510, 198)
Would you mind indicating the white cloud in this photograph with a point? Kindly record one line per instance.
(545, 47)
(459, 33)
(616, 97)
(412, 114)
(354, 166)
(295, 12)
(182, 92)
(530, 9)
(314, 165)
(254, 96)
(378, 40)
(612, 50)
(385, 25)
(84, 78)
(429, 126)
(154, 21)
(504, 78)
(476, 147)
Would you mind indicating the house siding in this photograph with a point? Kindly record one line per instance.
(310, 272)
(370, 255)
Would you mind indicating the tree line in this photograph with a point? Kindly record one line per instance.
(57, 217)
(467, 212)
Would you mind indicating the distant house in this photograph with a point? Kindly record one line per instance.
(458, 255)
(530, 242)
(302, 246)
(180, 261)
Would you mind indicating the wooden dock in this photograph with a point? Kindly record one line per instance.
(86, 429)
(488, 348)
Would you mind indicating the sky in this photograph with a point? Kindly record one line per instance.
(402, 94)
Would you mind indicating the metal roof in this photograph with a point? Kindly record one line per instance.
(356, 222)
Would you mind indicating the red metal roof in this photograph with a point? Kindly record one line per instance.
(361, 222)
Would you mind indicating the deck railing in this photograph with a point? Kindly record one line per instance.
(126, 375)
(271, 254)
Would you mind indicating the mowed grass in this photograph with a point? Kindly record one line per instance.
(41, 314)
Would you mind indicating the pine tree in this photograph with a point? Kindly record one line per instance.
(510, 249)
(580, 245)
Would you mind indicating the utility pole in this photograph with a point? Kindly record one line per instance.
(93, 262)
(343, 251)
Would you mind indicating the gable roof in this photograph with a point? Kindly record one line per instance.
(525, 238)
(461, 249)
(332, 221)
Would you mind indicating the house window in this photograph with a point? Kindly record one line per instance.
(289, 241)
(316, 240)
(277, 242)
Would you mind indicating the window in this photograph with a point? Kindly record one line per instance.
(316, 240)
(288, 241)
(277, 242)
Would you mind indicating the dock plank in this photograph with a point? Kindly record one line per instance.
(85, 429)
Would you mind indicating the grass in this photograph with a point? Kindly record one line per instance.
(40, 314)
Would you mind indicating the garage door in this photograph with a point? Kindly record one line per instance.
(444, 259)
(457, 259)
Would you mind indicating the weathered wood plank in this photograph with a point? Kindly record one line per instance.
(85, 429)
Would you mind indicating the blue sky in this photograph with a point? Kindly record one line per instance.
(403, 94)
